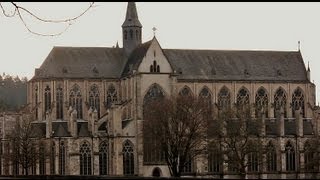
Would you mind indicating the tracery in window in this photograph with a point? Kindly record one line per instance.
(128, 158)
(185, 91)
(271, 157)
(297, 101)
(214, 159)
(111, 95)
(75, 100)
(224, 99)
(309, 157)
(290, 157)
(85, 159)
(280, 100)
(151, 152)
(62, 158)
(242, 98)
(94, 99)
(261, 102)
(103, 158)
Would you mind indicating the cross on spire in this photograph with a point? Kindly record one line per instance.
(154, 31)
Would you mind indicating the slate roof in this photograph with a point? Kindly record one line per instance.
(60, 129)
(83, 129)
(38, 130)
(307, 127)
(237, 65)
(82, 62)
(103, 62)
(272, 127)
(290, 127)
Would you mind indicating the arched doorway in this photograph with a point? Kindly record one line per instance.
(156, 172)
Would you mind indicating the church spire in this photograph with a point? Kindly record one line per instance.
(132, 19)
(131, 29)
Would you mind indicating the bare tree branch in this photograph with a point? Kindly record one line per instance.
(18, 10)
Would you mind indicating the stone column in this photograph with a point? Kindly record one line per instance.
(299, 122)
(283, 159)
(48, 124)
(281, 122)
(263, 123)
(94, 122)
(74, 126)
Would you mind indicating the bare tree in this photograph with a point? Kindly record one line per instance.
(239, 135)
(179, 125)
(25, 146)
(21, 12)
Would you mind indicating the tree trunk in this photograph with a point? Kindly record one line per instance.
(26, 171)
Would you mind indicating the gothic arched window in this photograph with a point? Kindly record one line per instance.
(75, 100)
(206, 96)
(154, 93)
(42, 160)
(131, 34)
(271, 157)
(128, 158)
(253, 162)
(185, 91)
(154, 67)
(243, 97)
(214, 160)
(261, 102)
(59, 104)
(309, 157)
(52, 159)
(103, 158)
(94, 100)
(224, 98)
(47, 99)
(85, 159)
(297, 101)
(280, 100)
(111, 95)
(290, 157)
(125, 34)
(62, 158)
(151, 152)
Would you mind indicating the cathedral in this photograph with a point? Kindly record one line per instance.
(89, 103)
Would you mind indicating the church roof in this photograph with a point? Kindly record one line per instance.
(82, 62)
(100, 62)
(237, 65)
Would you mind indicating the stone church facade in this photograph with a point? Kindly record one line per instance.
(88, 102)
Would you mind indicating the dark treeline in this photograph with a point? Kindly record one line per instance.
(13, 92)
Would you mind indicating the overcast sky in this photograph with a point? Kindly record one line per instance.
(229, 25)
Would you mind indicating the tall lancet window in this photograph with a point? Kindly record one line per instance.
(128, 158)
(94, 100)
(62, 158)
(271, 157)
(75, 100)
(111, 95)
(47, 98)
(243, 98)
(59, 102)
(151, 152)
(103, 158)
(42, 160)
(36, 93)
(261, 102)
(297, 101)
(125, 34)
(206, 96)
(224, 99)
(290, 157)
(53, 158)
(280, 100)
(85, 159)
(131, 34)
